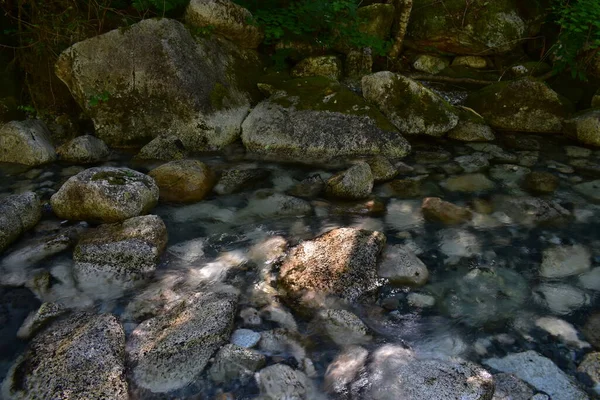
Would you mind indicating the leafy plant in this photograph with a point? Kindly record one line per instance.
(579, 37)
(96, 99)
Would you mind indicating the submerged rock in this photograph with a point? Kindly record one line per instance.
(315, 120)
(26, 142)
(509, 387)
(238, 180)
(525, 105)
(279, 381)
(169, 351)
(401, 266)
(563, 261)
(341, 262)
(382, 169)
(591, 190)
(471, 127)
(234, 362)
(591, 330)
(40, 318)
(468, 183)
(18, 214)
(79, 357)
(105, 194)
(561, 299)
(85, 149)
(532, 210)
(119, 254)
(436, 209)
(343, 327)
(183, 181)
(539, 372)
(541, 182)
(308, 188)
(154, 74)
(590, 367)
(352, 184)
(410, 106)
(344, 369)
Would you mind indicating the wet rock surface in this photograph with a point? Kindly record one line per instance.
(26, 142)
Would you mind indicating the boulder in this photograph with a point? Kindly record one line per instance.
(225, 18)
(341, 262)
(410, 106)
(18, 214)
(353, 184)
(401, 266)
(471, 127)
(532, 210)
(163, 148)
(79, 357)
(585, 127)
(397, 373)
(155, 78)
(376, 20)
(541, 182)
(105, 194)
(85, 149)
(436, 209)
(183, 181)
(279, 381)
(509, 387)
(327, 66)
(169, 351)
(314, 120)
(26, 142)
(234, 362)
(430, 64)
(343, 327)
(563, 261)
(524, 105)
(121, 253)
(480, 28)
(238, 180)
(539, 372)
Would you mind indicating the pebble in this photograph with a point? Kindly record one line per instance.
(245, 338)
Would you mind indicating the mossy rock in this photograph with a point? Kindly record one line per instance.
(585, 127)
(525, 105)
(326, 66)
(377, 20)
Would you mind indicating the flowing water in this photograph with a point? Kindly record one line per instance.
(484, 275)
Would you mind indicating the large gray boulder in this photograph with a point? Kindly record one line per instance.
(80, 357)
(154, 78)
(26, 142)
(524, 105)
(18, 214)
(105, 194)
(314, 120)
(410, 106)
(397, 373)
(341, 262)
(121, 253)
(85, 149)
(169, 351)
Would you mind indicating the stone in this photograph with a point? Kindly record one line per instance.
(564, 261)
(239, 180)
(590, 367)
(308, 188)
(353, 184)
(531, 68)
(509, 174)
(105, 194)
(169, 351)
(468, 183)
(163, 148)
(280, 381)
(183, 181)
(496, 152)
(382, 169)
(474, 62)
(245, 338)
(374, 207)
(541, 182)
(397, 373)
(250, 317)
(234, 362)
(475, 162)
(420, 300)
(430, 64)
(591, 330)
(282, 342)
(343, 327)
(341, 262)
(85, 149)
(119, 254)
(344, 369)
(524, 105)
(410, 106)
(376, 20)
(79, 357)
(531, 210)
(590, 280)
(539, 372)
(358, 64)
(438, 210)
(471, 127)
(591, 190)
(560, 299)
(528, 158)
(562, 330)
(36, 320)
(227, 19)
(18, 214)
(577, 152)
(404, 188)
(266, 205)
(26, 142)
(475, 30)
(509, 387)
(328, 66)
(585, 127)
(401, 266)
(158, 79)
(278, 314)
(316, 120)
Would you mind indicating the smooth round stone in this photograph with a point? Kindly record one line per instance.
(245, 338)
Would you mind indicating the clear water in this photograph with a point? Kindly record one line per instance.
(475, 317)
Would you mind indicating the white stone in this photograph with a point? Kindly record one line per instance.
(563, 261)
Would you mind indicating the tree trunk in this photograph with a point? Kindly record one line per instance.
(403, 10)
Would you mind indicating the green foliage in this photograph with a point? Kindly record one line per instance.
(96, 99)
(327, 23)
(580, 34)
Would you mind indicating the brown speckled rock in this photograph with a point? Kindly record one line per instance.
(183, 181)
(436, 209)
